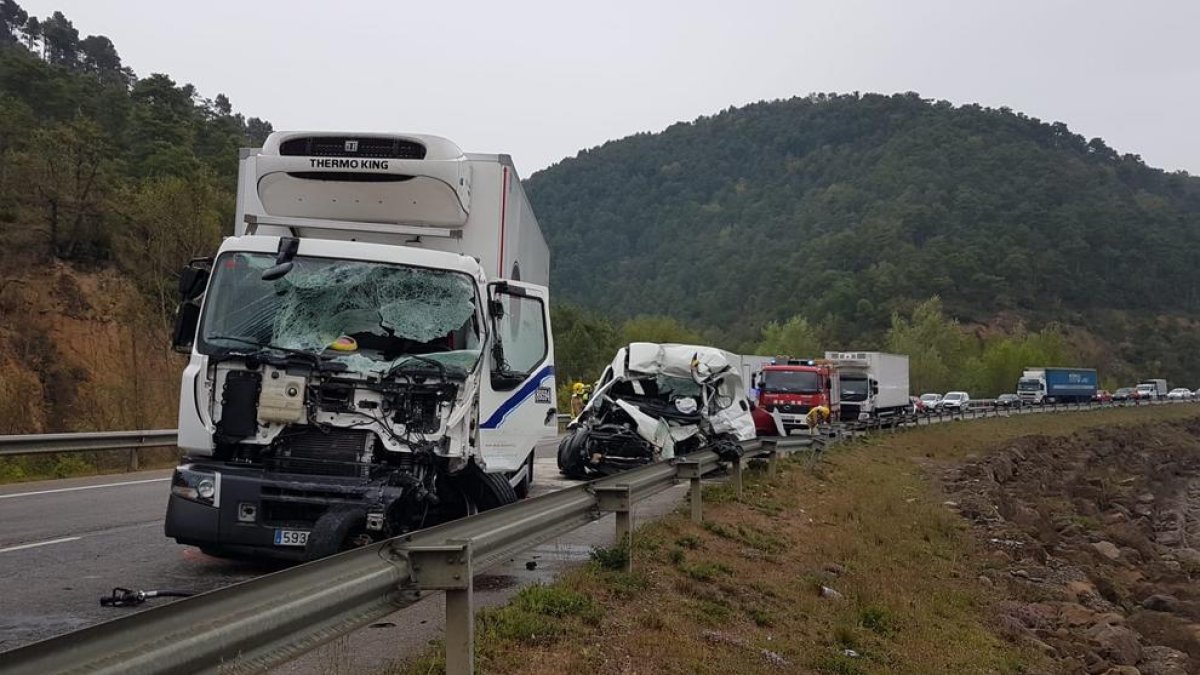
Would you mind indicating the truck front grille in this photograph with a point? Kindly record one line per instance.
(794, 409)
(312, 452)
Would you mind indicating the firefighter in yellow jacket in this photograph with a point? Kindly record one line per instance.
(817, 416)
(578, 393)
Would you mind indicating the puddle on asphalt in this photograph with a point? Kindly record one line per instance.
(560, 552)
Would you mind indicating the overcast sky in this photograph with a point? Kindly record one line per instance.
(542, 80)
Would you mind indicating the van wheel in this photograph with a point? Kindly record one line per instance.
(572, 454)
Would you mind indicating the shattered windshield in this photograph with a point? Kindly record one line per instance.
(791, 381)
(368, 316)
(661, 386)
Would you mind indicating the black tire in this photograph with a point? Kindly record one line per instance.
(332, 529)
(522, 488)
(486, 490)
(572, 454)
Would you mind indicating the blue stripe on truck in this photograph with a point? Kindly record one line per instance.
(519, 396)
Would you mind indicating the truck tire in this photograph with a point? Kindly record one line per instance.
(572, 454)
(332, 529)
(522, 488)
(486, 490)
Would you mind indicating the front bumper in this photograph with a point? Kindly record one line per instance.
(250, 505)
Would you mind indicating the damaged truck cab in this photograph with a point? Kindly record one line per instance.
(369, 354)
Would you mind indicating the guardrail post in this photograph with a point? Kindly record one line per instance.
(691, 471)
(772, 449)
(736, 476)
(448, 567)
(133, 459)
(617, 498)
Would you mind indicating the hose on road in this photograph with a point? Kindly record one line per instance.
(124, 597)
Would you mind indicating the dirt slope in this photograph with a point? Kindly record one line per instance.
(79, 351)
(1095, 540)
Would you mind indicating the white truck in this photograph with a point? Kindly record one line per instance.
(874, 385)
(1153, 389)
(369, 354)
(748, 366)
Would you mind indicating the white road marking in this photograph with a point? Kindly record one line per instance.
(37, 544)
(84, 487)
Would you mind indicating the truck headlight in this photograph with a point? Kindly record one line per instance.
(193, 485)
(205, 489)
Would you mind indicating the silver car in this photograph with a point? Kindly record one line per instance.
(956, 401)
(932, 402)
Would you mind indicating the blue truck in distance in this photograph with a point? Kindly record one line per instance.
(1056, 385)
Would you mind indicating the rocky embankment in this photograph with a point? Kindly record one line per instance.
(1095, 541)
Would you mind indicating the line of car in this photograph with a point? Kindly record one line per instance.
(955, 401)
(1142, 394)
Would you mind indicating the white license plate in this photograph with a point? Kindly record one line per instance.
(291, 537)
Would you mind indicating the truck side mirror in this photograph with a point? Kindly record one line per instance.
(186, 318)
(192, 281)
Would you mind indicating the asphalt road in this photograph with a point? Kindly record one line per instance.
(65, 543)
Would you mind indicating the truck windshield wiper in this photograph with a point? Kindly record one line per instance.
(317, 359)
(407, 365)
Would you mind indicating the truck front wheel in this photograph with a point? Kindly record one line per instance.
(486, 490)
(522, 488)
(332, 530)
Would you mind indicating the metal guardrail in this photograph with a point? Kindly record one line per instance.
(36, 444)
(256, 624)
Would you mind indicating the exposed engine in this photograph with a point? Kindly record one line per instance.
(656, 402)
(350, 458)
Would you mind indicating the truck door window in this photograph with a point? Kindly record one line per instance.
(521, 329)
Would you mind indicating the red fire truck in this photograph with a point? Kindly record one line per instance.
(788, 389)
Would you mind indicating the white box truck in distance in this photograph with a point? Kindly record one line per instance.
(369, 354)
(874, 384)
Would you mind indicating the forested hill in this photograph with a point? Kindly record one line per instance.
(109, 181)
(847, 208)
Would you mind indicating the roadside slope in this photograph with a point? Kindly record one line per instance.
(911, 587)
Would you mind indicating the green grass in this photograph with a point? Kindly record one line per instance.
(912, 604)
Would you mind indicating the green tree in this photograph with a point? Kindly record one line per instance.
(61, 40)
(936, 346)
(12, 21)
(797, 338)
(67, 168)
(169, 220)
(648, 328)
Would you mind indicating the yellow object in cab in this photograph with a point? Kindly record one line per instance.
(344, 344)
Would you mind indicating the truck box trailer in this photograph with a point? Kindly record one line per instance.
(1153, 389)
(369, 354)
(874, 385)
(1057, 385)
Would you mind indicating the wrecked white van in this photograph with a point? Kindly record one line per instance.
(655, 402)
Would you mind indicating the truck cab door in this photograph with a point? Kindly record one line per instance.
(516, 398)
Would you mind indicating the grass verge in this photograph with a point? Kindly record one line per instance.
(854, 566)
(24, 469)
